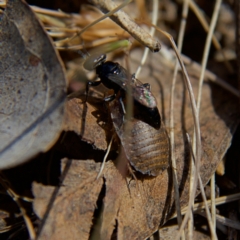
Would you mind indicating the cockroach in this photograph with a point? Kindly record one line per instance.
(146, 148)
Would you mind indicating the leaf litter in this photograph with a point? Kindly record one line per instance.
(151, 198)
(128, 207)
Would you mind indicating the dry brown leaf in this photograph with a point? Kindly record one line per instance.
(137, 209)
(85, 125)
(69, 210)
(32, 87)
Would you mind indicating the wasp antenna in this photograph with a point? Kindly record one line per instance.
(84, 55)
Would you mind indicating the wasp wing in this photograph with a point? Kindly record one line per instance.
(140, 92)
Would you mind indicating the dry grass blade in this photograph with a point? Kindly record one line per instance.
(213, 203)
(218, 201)
(169, 55)
(152, 32)
(225, 221)
(205, 25)
(196, 137)
(196, 122)
(79, 33)
(171, 124)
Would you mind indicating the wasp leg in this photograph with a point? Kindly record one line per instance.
(122, 104)
(123, 109)
(112, 97)
(92, 84)
(109, 98)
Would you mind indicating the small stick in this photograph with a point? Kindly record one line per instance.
(210, 222)
(124, 21)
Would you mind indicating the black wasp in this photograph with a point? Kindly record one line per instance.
(113, 76)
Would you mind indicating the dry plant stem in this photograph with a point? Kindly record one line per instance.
(191, 188)
(198, 207)
(173, 158)
(195, 138)
(206, 51)
(180, 43)
(210, 223)
(105, 158)
(204, 64)
(152, 32)
(218, 201)
(225, 221)
(195, 119)
(211, 76)
(15, 197)
(213, 204)
(205, 25)
(117, 8)
(123, 20)
(93, 44)
(228, 222)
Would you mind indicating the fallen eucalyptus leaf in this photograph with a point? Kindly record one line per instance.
(32, 87)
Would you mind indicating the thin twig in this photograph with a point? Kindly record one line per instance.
(124, 21)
